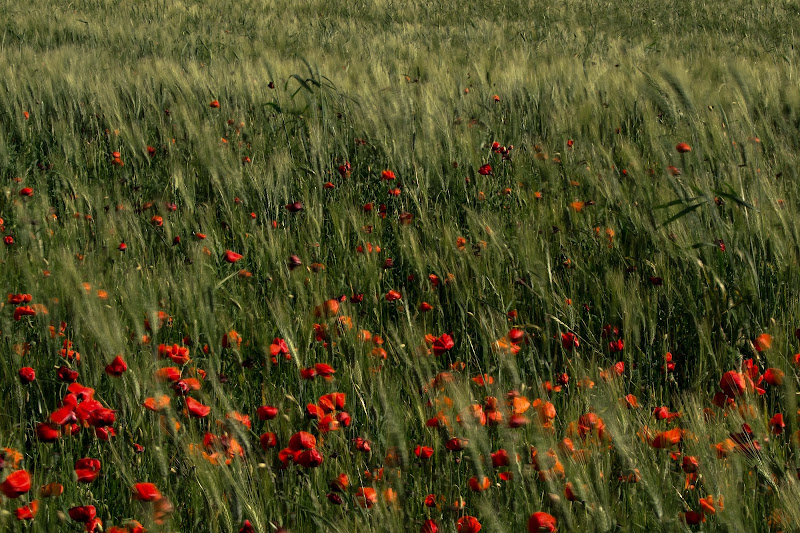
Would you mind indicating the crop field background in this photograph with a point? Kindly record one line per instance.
(399, 266)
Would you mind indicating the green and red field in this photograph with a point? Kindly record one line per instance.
(399, 266)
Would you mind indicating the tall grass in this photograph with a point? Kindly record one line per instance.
(304, 88)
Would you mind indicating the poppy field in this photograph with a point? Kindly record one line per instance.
(378, 266)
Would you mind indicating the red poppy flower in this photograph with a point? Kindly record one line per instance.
(468, 524)
(690, 464)
(667, 438)
(84, 513)
(343, 418)
(423, 452)
(100, 417)
(693, 518)
(157, 404)
(117, 367)
(479, 484)
(392, 296)
(294, 207)
(267, 412)
(309, 458)
(64, 415)
(8, 240)
(66, 374)
(232, 257)
(456, 444)
(500, 458)
(331, 402)
(429, 526)
(683, 148)
(774, 376)
(87, 469)
(313, 412)
(196, 409)
(324, 370)
(146, 492)
(425, 307)
(51, 489)
(24, 310)
(387, 175)
(302, 440)
(16, 484)
(27, 191)
(366, 497)
(268, 440)
(542, 523)
(569, 341)
(733, 383)
(27, 512)
(214, 104)
(442, 344)
(308, 373)
(485, 170)
(27, 375)
(47, 432)
(777, 424)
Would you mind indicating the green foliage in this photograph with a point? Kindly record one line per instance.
(691, 253)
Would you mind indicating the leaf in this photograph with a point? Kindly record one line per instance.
(682, 213)
(736, 199)
(676, 202)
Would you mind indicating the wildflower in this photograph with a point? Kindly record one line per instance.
(87, 469)
(392, 296)
(26, 375)
(232, 257)
(146, 492)
(468, 524)
(196, 409)
(117, 367)
(366, 497)
(541, 523)
(16, 484)
(28, 512)
(443, 344)
(683, 148)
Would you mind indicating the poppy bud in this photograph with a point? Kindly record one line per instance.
(267, 412)
(27, 375)
(232, 257)
(268, 440)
